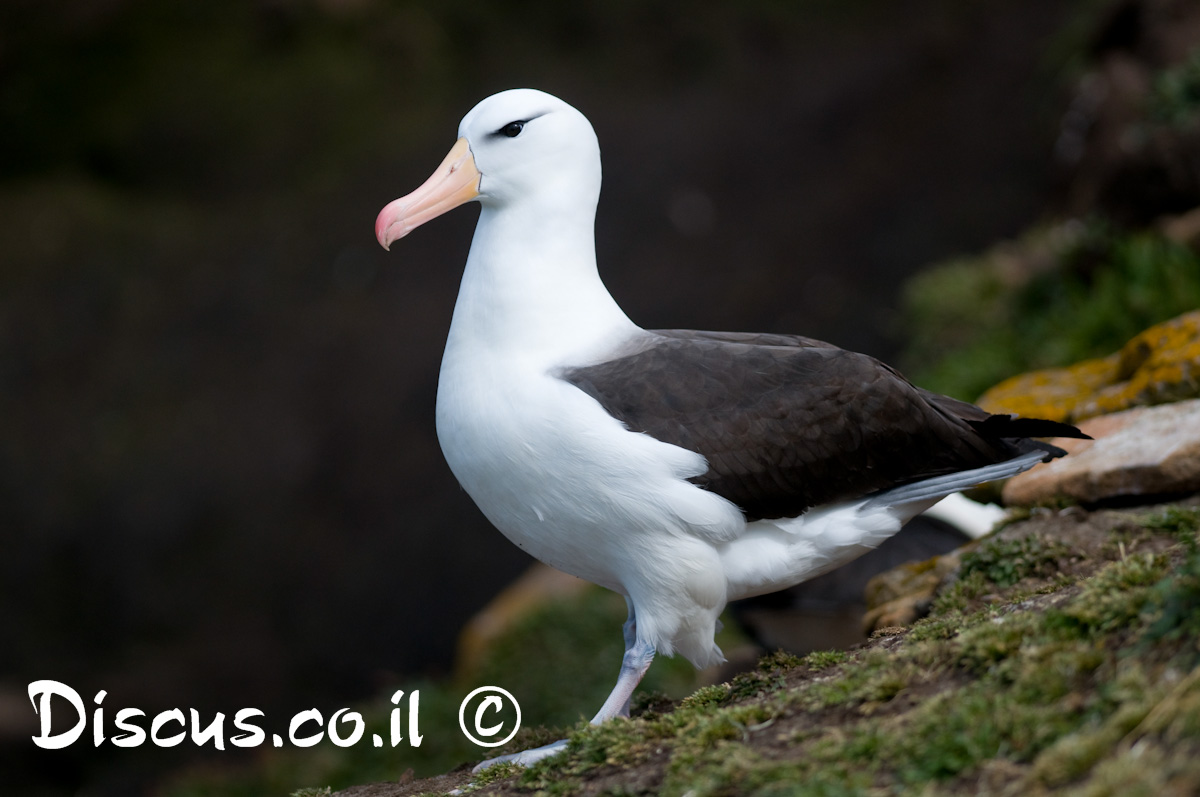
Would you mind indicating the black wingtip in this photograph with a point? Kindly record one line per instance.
(1008, 426)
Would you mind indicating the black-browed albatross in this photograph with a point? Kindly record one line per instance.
(681, 469)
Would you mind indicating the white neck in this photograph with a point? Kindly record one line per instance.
(531, 288)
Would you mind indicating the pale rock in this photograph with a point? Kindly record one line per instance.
(1142, 451)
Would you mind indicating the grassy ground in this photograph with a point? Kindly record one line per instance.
(1063, 658)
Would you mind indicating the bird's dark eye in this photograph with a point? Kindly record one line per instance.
(512, 129)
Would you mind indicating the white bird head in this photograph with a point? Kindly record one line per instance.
(517, 147)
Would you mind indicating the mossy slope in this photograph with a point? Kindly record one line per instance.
(1069, 665)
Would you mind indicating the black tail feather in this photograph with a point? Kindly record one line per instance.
(1008, 426)
(1021, 431)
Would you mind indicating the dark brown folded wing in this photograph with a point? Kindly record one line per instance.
(788, 423)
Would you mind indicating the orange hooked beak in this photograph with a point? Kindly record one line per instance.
(454, 182)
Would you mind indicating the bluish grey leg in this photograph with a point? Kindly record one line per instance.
(630, 627)
(630, 632)
(634, 664)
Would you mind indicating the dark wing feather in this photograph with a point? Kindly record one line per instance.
(787, 423)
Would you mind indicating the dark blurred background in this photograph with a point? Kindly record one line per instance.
(219, 481)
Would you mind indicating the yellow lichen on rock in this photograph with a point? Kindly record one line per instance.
(1159, 365)
(1052, 393)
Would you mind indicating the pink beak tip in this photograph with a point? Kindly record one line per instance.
(383, 225)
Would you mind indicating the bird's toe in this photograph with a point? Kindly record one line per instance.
(524, 758)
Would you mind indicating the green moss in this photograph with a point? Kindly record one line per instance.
(960, 594)
(1184, 522)
(1004, 562)
(1177, 598)
(769, 677)
(985, 644)
(780, 660)
(754, 683)
(824, 659)
(734, 769)
(942, 623)
(1073, 755)
(496, 772)
(949, 735)
(713, 695)
(1129, 775)
(851, 686)
(1115, 597)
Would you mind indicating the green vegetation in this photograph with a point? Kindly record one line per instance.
(1055, 297)
(1178, 520)
(1005, 562)
(1175, 94)
(824, 659)
(1000, 563)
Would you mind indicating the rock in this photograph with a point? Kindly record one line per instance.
(903, 595)
(1159, 365)
(1144, 451)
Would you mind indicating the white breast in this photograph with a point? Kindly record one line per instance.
(564, 480)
